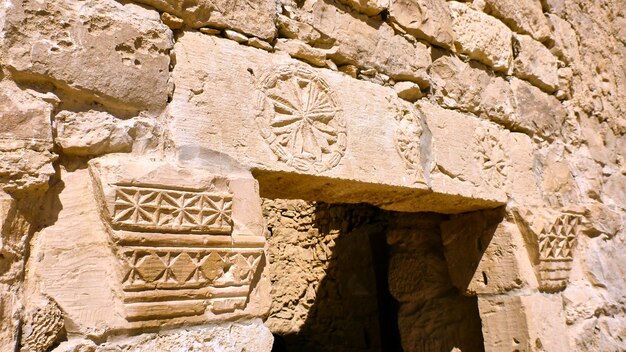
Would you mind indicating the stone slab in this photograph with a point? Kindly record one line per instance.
(340, 149)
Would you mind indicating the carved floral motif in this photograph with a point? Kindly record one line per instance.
(300, 119)
(407, 140)
(491, 157)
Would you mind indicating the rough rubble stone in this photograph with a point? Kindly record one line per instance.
(426, 19)
(534, 63)
(524, 16)
(368, 7)
(96, 133)
(481, 37)
(257, 20)
(377, 46)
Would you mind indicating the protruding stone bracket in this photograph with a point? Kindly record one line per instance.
(550, 236)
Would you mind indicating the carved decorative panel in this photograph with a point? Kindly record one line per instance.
(407, 140)
(491, 157)
(153, 209)
(300, 119)
(551, 237)
(172, 232)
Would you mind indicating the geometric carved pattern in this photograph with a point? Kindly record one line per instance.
(166, 210)
(177, 252)
(557, 240)
(552, 236)
(153, 268)
(300, 119)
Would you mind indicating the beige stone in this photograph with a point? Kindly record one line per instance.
(519, 322)
(426, 19)
(551, 237)
(377, 46)
(408, 91)
(537, 112)
(368, 7)
(236, 14)
(194, 256)
(534, 63)
(25, 138)
(265, 146)
(172, 21)
(237, 336)
(97, 133)
(481, 37)
(128, 43)
(524, 16)
(302, 51)
(485, 254)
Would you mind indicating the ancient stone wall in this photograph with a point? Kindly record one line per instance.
(139, 136)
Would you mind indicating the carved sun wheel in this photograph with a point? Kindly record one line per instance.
(300, 119)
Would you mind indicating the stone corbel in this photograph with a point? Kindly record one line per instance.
(550, 236)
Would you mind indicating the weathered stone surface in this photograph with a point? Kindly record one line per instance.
(425, 106)
(537, 112)
(128, 44)
(150, 260)
(467, 154)
(485, 254)
(524, 16)
(248, 335)
(426, 19)
(368, 7)
(257, 20)
(481, 37)
(96, 133)
(518, 322)
(330, 150)
(534, 63)
(408, 91)
(377, 46)
(25, 138)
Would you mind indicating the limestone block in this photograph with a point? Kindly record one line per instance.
(467, 154)
(481, 37)
(565, 41)
(534, 63)
(247, 335)
(368, 43)
(320, 153)
(537, 112)
(240, 15)
(368, 7)
(459, 85)
(408, 91)
(159, 243)
(524, 16)
(550, 236)
(524, 323)
(25, 138)
(57, 41)
(426, 19)
(485, 254)
(302, 51)
(96, 132)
